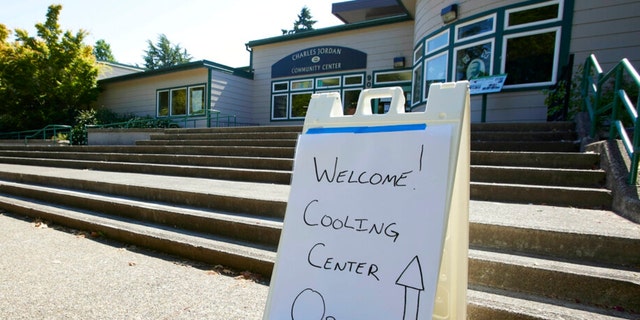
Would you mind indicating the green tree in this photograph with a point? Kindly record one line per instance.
(304, 22)
(164, 54)
(45, 79)
(102, 51)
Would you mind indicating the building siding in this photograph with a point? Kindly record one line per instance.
(138, 96)
(610, 30)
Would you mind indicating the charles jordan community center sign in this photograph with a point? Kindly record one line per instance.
(318, 60)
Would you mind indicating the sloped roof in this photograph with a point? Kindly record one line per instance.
(365, 10)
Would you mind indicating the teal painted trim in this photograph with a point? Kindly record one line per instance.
(328, 30)
(182, 67)
(208, 102)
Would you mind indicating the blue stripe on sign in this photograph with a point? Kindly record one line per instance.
(364, 129)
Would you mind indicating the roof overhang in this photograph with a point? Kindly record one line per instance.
(365, 10)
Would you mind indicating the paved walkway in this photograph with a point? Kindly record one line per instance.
(54, 273)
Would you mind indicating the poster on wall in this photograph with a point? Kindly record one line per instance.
(473, 62)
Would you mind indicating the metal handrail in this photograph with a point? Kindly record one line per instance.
(55, 128)
(592, 102)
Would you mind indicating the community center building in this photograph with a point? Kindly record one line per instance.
(382, 43)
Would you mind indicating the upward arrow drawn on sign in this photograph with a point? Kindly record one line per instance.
(413, 283)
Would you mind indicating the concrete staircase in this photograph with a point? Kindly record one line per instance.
(543, 243)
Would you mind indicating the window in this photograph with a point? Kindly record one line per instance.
(389, 77)
(300, 104)
(350, 100)
(332, 82)
(532, 15)
(473, 61)
(301, 84)
(163, 103)
(196, 100)
(438, 42)
(476, 28)
(416, 85)
(176, 101)
(530, 58)
(435, 71)
(280, 86)
(355, 80)
(179, 101)
(505, 40)
(290, 98)
(279, 103)
(418, 53)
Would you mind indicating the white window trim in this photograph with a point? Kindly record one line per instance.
(273, 86)
(329, 87)
(455, 56)
(344, 80)
(424, 72)
(492, 31)
(533, 6)
(273, 109)
(556, 56)
(419, 52)
(426, 43)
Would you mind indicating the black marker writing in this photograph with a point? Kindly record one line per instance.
(338, 175)
(317, 260)
(312, 217)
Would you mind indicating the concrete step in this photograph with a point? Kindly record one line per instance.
(539, 176)
(533, 146)
(597, 237)
(249, 129)
(227, 136)
(258, 199)
(523, 136)
(219, 214)
(209, 172)
(288, 143)
(191, 245)
(228, 151)
(202, 169)
(173, 159)
(484, 304)
(589, 285)
(523, 127)
(587, 198)
(560, 160)
(239, 227)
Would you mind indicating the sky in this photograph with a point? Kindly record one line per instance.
(214, 30)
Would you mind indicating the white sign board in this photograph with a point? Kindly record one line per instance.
(365, 223)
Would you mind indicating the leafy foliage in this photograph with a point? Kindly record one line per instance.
(164, 54)
(45, 79)
(304, 22)
(102, 51)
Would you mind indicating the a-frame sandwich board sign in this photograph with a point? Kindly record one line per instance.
(376, 226)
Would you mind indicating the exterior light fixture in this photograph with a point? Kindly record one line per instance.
(449, 13)
(398, 62)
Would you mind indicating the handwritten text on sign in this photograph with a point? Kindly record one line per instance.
(364, 226)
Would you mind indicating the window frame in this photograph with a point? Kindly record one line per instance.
(313, 88)
(493, 16)
(188, 109)
(558, 18)
(556, 56)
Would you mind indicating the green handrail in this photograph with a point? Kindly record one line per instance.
(621, 106)
(53, 128)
